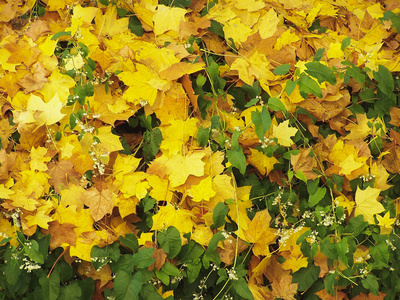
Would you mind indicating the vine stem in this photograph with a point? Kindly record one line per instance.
(58, 258)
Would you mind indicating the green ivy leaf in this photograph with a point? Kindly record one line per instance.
(60, 34)
(353, 71)
(51, 285)
(345, 43)
(170, 241)
(126, 286)
(211, 253)
(33, 252)
(320, 52)
(130, 241)
(170, 269)
(219, 214)
(70, 292)
(282, 69)
(321, 72)
(276, 104)
(308, 85)
(371, 283)
(162, 276)
(385, 80)
(306, 277)
(242, 288)
(135, 26)
(237, 159)
(193, 270)
(143, 258)
(290, 86)
(329, 282)
(151, 143)
(356, 225)
(262, 121)
(317, 196)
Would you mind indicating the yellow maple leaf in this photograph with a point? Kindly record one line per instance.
(177, 134)
(236, 30)
(38, 159)
(360, 130)
(58, 84)
(179, 167)
(8, 230)
(203, 190)
(202, 234)
(167, 18)
(145, 237)
(260, 234)
(295, 263)
(40, 218)
(263, 163)
(268, 24)
(141, 90)
(126, 206)
(367, 204)
(381, 176)
(51, 111)
(159, 190)
(283, 132)
(335, 51)
(386, 223)
(108, 24)
(345, 203)
(238, 210)
(133, 184)
(167, 216)
(108, 141)
(349, 164)
(124, 164)
(286, 38)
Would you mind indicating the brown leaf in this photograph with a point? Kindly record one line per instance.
(274, 270)
(321, 261)
(160, 255)
(37, 28)
(369, 297)
(61, 233)
(228, 250)
(324, 295)
(305, 163)
(100, 203)
(395, 116)
(62, 173)
(284, 288)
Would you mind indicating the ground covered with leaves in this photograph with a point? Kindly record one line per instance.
(193, 149)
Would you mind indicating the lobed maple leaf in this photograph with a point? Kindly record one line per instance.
(367, 204)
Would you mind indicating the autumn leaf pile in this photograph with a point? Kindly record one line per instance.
(231, 149)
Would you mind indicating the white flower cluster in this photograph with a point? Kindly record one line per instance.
(367, 178)
(176, 279)
(266, 142)
(232, 274)
(202, 284)
(28, 265)
(102, 260)
(390, 244)
(198, 296)
(143, 103)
